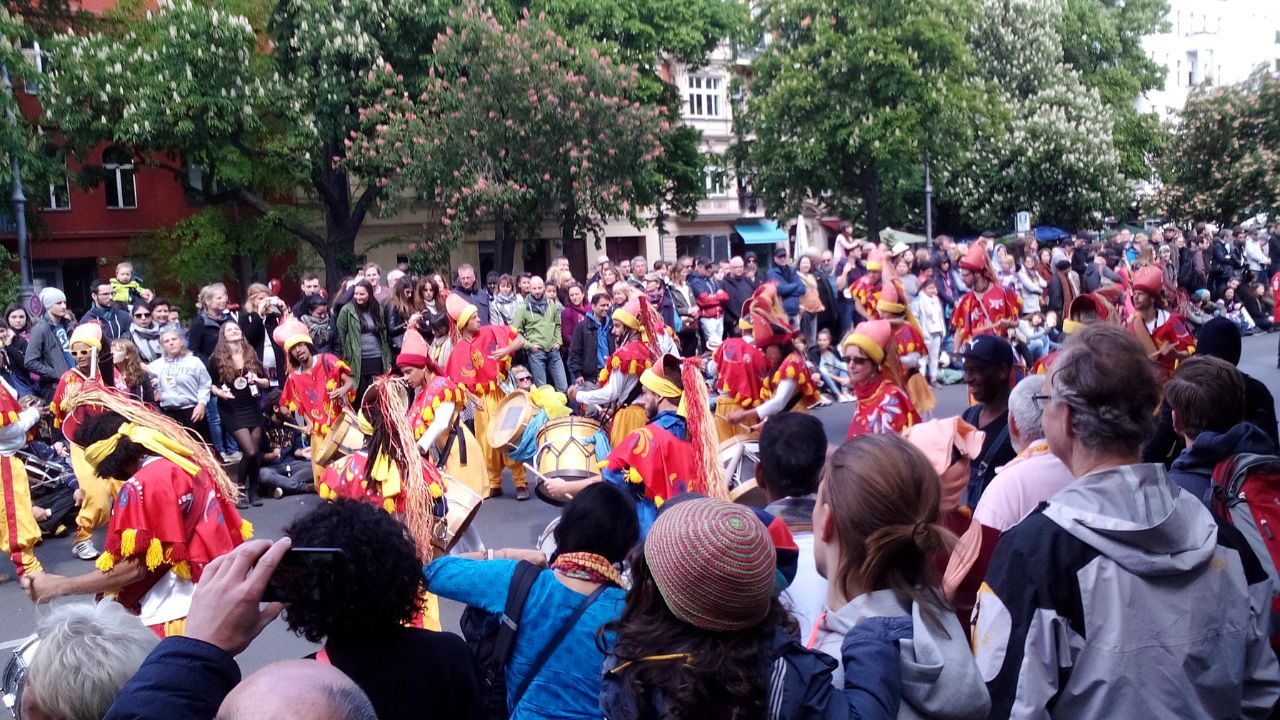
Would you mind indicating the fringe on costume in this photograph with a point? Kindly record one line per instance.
(392, 399)
(709, 476)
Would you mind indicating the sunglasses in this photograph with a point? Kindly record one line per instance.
(861, 361)
(81, 353)
(142, 315)
(524, 379)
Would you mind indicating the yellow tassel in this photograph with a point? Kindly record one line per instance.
(791, 372)
(155, 554)
(182, 570)
(128, 542)
(435, 403)
(389, 505)
(435, 491)
(633, 476)
(617, 362)
(246, 530)
(657, 501)
(106, 561)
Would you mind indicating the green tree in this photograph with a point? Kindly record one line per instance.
(1047, 145)
(848, 97)
(1223, 159)
(515, 124)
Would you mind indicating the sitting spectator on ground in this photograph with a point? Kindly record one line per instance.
(360, 616)
(1176, 607)
(87, 652)
(286, 465)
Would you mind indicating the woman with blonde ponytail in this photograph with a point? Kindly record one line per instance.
(877, 541)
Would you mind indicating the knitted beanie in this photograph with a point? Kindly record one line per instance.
(51, 296)
(714, 564)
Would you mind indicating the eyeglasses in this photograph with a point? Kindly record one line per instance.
(1040, 401)
(142, 315)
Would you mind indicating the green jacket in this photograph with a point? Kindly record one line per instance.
(349, 340)
(543, 330)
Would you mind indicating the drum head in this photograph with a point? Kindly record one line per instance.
(509, 419)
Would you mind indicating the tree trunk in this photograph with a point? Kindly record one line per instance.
(504, 244)
(869, 180)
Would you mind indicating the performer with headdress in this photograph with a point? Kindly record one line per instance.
(788, 385)
(318, 385)
(910, 344)
(437, 402)
(19, 531)
(883, 403)
(636, 329)
(988, 308)
(95, 492)
(174, 514)
(675, 452)
(865, 292)
(740, 371)
(1086, 309)
(478, 363)
(1165, 336)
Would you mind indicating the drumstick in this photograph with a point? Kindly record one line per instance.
(299, 428)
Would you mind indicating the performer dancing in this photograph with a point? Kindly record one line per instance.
(175, 512)
(988, 308)
(318, 386)
(95, 493)
(17, 523)
(676, 452)
(478, 362)
(636, 329)
(865, 292)
(389, 473)
(790, 386)
(1165, 336)
(883, 403)
(740, 371)
(910, 344)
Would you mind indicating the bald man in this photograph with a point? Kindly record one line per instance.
(315, 690)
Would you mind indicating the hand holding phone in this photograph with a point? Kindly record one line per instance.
(225, 608)
(295, 579)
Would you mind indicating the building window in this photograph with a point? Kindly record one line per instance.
(716, 186)
(122, 189)
(704, 96)
(59, 196)
(39, 60)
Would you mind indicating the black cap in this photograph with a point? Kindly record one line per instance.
(747, 256)
(989, 349)
(780, 252)
(988, 234)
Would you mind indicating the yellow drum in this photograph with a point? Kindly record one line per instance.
(507, 425)
(344, 438)
(464, 505)
(567, 449)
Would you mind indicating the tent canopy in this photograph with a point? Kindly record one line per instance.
(760, 232)
(891, 237)
(1045, 233)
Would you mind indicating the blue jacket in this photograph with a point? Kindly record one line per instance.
(1193, 469)
(182, 679)
(790, 287)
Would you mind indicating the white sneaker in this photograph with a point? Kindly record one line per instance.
(85, 550)
(231, 458)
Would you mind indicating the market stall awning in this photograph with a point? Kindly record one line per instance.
(760, 232)
(891, 237)
(1045, 233)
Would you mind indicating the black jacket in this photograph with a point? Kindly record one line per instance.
(739, 290)
(583, 361)
(115, 322)
(202, 334)
(182, 679)
(478, 297)
(257, 328)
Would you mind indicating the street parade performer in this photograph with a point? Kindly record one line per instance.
(790, 385)
(318, 387)
(1165, 336)
(478, 363)
(636, 328)
(911, 347)
(17, 521)
(865, 291)
(96, 493)
(876, 375)
(174, 514)
(740, 370)
(675, 453)
(988, 308)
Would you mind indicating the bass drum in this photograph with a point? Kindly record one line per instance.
(739, 455)
(547, 540)
(15, 674)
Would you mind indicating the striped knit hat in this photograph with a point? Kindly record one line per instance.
(714, 564)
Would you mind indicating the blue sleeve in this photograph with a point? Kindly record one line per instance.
(182, 679)
(478, 583)
(872, 668)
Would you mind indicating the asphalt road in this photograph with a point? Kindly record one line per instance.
(502, 522)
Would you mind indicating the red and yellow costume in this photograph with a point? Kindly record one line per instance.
(981, 313)
(630, 359)
(866, 292)
(883, 403)
(769, 328)
(793, 367)
(472, 366)
(909, 340)
(306, 390)
(1166, 329)
(740, 368)
(19, 531)
(439, 391)
(347, 478)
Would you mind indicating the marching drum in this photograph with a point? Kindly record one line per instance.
(344, 438)
(567, 449)
(464, 505)
(739, 455)
(506, 428)
(15, 674)
(547, 540)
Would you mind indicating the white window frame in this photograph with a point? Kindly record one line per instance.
(59, 197)
(704, 96)
(121, 172)
(717, 180)
(39, 60)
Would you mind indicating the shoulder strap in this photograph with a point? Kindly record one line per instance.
(521, 582)
(554, 643)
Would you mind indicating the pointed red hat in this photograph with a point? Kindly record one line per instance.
(1149, 280)
(290, 333)
(415, 352)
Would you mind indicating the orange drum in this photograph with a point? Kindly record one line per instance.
(507, 425)
(344, 438)
(567, 449)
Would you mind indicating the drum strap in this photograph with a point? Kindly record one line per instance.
(454, 432)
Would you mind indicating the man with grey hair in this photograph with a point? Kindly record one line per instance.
(87, 652)
(1121, 596)
(639, 268)
(1034, 475)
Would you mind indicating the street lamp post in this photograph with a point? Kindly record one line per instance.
(928, 200)
(19, 199)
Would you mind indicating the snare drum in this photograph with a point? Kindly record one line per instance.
(567, 449)
(344, 438)
(464, 505)
(739, 456)
(509, 420)
(15, 674)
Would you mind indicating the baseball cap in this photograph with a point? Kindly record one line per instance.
(780, 252)
(988, 349)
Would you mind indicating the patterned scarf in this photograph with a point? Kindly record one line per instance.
(587, 566)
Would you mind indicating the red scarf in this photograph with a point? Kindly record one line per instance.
(587, 566)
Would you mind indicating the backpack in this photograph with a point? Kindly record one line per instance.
(1246, 495)
(492, 637)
